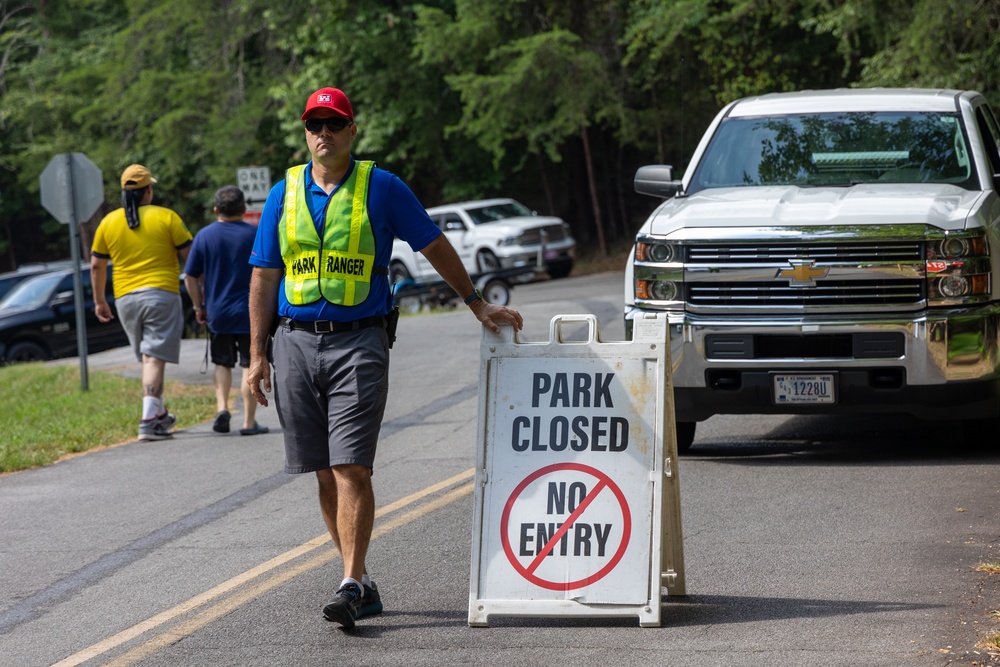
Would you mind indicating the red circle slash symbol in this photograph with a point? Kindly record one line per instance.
(528, 571)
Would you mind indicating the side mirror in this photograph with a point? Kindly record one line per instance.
(62, 304)
(656, 180)
(62, 298)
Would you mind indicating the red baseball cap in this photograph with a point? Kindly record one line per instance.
(329, 98)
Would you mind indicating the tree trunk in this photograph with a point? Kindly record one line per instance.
(598, 221)
(545, 186)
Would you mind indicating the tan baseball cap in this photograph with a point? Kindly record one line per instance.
(136, 177)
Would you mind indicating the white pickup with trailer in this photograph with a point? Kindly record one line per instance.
(830, 252)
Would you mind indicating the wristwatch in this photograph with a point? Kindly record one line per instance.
(472, 297)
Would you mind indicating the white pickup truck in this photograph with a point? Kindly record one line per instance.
(492, 235)
(830, 252)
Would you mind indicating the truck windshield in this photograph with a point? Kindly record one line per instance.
(496, 212)
(837, 149)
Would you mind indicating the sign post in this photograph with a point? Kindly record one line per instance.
(577, 508)
(72, 188)
(255, 182)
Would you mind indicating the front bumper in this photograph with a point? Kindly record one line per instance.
(521, 256)
(937, 365)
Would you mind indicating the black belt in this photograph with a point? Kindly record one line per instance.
(326, 326)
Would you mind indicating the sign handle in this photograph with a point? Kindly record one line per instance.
(593, 328)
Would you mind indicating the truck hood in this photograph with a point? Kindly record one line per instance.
(941, 205)
(519, 224)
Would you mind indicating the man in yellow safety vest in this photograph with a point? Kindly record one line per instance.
(321, 270)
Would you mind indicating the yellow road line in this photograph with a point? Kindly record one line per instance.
(208, 596)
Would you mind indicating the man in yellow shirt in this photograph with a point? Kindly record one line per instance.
(143, 243)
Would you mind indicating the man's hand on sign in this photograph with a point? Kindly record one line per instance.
(490, 314)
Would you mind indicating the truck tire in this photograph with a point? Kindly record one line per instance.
(398, 272)
(487, 262)
(497, 291)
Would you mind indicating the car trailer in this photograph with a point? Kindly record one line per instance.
(496, 287)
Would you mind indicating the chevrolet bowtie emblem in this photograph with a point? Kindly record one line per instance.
(803, 273)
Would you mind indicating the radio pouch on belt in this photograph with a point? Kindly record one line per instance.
(391, 320)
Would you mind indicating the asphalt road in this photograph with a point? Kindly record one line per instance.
(808, 541)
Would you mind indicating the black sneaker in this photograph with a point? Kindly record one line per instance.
(343, 608)
(221, 424)
(371, 602)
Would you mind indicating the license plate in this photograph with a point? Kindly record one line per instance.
(801, 388)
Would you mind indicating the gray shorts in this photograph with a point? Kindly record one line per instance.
(330, 392)
(153, 320)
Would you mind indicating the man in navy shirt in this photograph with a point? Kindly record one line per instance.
(217, 270)
(321, 270)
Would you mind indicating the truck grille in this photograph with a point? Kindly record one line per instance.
(534, 236)
(878, 251)
(825, 293)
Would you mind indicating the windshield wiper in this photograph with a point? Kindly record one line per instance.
(833, 185)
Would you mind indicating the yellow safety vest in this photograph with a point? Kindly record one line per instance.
(339, 268)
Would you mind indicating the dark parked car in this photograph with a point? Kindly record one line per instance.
(9, 281)
(12, 279)
(38, 319)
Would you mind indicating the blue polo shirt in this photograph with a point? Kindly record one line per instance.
(219, 256)
(394, 211)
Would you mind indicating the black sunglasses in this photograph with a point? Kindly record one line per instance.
(334, 124)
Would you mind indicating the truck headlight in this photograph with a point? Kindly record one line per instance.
(654, 252)
(956, 247)
(663, 290)
(958, 268)
(509, 241)
(956, 286)
(953, 286)
(659, 272)
(657, 290)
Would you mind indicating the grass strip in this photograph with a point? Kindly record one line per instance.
(44, 415)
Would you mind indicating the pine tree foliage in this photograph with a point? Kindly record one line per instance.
(554, 102)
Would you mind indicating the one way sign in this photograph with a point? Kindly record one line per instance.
(255, 182)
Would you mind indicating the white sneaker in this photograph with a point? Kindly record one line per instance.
(157, 428)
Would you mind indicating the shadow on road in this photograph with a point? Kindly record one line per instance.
(695, 610)
(858, 439)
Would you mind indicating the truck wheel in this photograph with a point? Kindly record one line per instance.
(398, 272)
(497, 291)
(27, 351)
(487, 262)
(410, 305)
(685, 435)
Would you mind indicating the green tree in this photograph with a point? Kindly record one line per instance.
(549, 101)
(938, 44)
(688, 58)
(172, 85)
(401, 106)
(527, 83)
